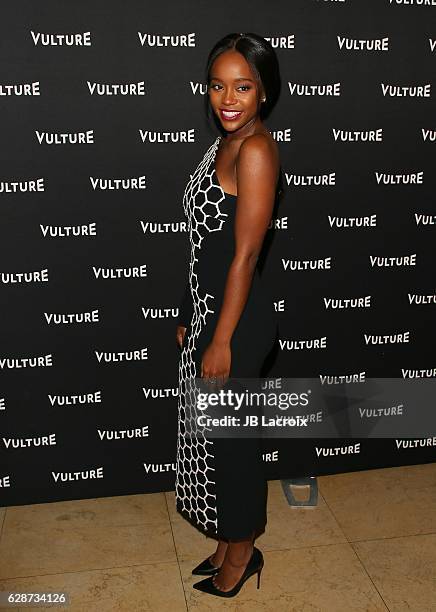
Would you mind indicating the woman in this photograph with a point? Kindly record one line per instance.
(227, 324)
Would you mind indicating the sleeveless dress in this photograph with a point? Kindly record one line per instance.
(221, 486)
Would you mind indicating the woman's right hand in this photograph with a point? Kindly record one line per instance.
(180, 335)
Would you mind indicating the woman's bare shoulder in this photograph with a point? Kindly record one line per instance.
(260, 146)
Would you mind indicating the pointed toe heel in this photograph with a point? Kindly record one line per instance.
(205, 568)
(254, 566)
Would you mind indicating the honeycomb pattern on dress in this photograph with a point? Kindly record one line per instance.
(195, 486)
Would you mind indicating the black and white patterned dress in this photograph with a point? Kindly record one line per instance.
(220, 483)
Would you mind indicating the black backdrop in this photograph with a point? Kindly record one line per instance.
(78, 153)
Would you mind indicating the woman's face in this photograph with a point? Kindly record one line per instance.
(233, 91)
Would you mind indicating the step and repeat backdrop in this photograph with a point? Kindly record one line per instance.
(102, 122)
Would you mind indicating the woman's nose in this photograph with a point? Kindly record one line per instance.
(229, 97)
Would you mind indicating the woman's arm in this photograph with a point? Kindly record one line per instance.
(257, 168)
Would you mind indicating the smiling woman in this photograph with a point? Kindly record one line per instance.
(240, 85)
(227, 324)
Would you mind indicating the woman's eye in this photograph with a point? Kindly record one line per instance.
(240, 88)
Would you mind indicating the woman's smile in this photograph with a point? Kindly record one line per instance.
(230, 115)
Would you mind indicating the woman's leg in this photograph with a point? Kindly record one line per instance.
(218, 556)
(235, 561)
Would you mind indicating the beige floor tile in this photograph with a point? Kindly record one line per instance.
(171, 503)
(62, 548)
(403, 570)
(287, 527)
(142, 588)
(318, 579)
(117, 511)
(294, 527)
(383, 503)
(190, 542)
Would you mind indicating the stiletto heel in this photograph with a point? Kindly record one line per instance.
(258, 576)
(254, 566)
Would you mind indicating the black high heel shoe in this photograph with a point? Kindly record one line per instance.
(205, 568)
(254, 566)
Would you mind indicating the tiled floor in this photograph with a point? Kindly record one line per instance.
(369, 546)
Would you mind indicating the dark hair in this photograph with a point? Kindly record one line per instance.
(261, 58)
(263, 61)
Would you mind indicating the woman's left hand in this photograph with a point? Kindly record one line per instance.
(216, 363)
